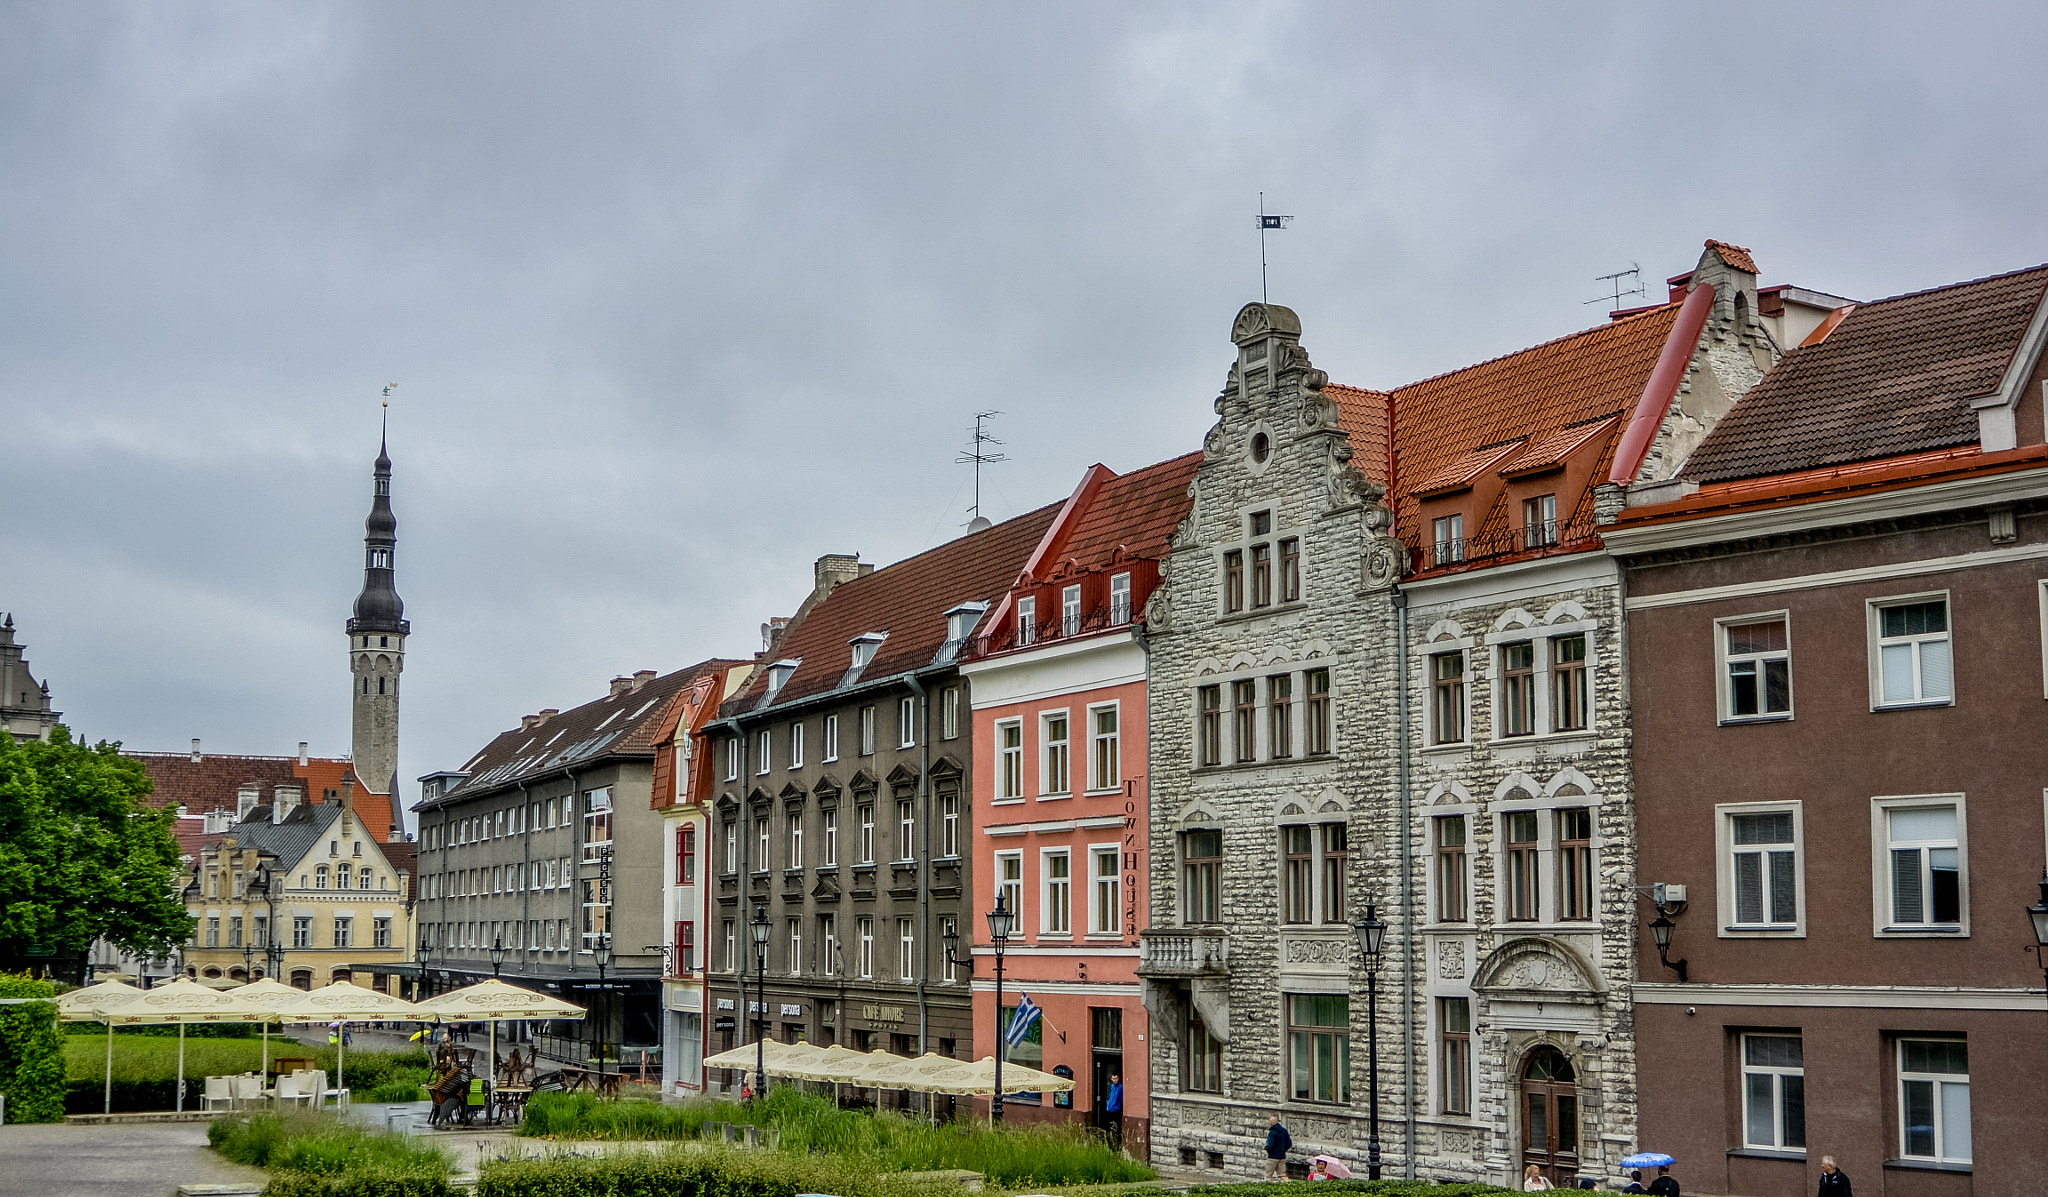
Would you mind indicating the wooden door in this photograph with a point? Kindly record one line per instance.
(1550, 1116)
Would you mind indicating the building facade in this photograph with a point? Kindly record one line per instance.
(1060, 800)
(25, 711)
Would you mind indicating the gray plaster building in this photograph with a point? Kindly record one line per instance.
(24, 702)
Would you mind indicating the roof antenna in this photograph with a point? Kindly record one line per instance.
(1634, 273)
(1266, 222)
(980, 457)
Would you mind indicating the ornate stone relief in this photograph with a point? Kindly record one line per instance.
(1450, 959)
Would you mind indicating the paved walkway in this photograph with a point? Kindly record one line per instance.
(123, 1160)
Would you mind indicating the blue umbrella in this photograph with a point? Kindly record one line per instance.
(1648, 1159)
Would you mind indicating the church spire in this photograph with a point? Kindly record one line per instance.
(376, 635)
(378, 607)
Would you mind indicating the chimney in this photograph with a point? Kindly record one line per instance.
(772, 631)
(303, 761)
(348, 799)
(246, 799)
(834, 568)
(620, 685)
(529, 722)
(195, 750)
(547, 713)
(283, 800)
(643, 676)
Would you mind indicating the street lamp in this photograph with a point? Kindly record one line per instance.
(248, 961)
(759, 928)
(603, 955)
(425, 954)
(498, 955)
(1002, 923)
(1372, 935)
(1660, 934)
(2039, 913)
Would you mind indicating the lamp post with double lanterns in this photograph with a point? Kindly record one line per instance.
(1372, 936)
(758, 928)
(1002, 924)
(602, 954)
(425, 956)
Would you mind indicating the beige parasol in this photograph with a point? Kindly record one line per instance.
(182, 1002)
(346, 1002)
(272, 993)
(84, 1005)
(493, 1000)
(776, 1057)
(980, 1078)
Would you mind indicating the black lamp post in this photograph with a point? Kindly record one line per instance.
(1372, 935)
(1002, 923)
(497, 955)
(424, 955)
(1660, 933)
(602, 954)
(759, 929)
(2039, 913)
(248, 961)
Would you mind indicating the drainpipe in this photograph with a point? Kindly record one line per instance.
(526, 873)
(1400, 598)
(741, 936)
(924, 861)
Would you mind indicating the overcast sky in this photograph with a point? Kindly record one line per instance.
(679, 297)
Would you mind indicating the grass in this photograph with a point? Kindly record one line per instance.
(155, 1058)
(303, 1141)
(1046, 1153)
(404, 1085)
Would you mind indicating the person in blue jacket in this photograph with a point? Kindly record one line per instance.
(1114, 1107)
(1277, 1143)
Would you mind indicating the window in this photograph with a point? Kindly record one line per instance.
(1454, 1055)
(906, 829)
(867, 833)
(555, 804)
(1518, 689)
(1318, 729)
(831, 738)
(1926, 866)
(320, 877)
(949, 825)
(732, 848)
(1575, 864)
(686, 947)
(1453, 876)
(906, 722)
(1290, 570)
(1104, 772)
(1522, 892)
(829, 823)
(1027, 620)
(732, 771)
(1201, 854)
(1209, 734)
(302, 931)
(1913, 653)
(597, 912)
(1934, 1099)
(732, 952)
(795, 822)
(1297, 873)
(1539, 521)
(1450, 539)
(261, 933)
(1571, 707)
(1336, 848)
(867, 731)
(1053, 730)
(1262, 575)
(1203, 1055)
(1244, 706)
(1233, 581)
(1056, 910)
(597, 823)
(380, 933)
(796, 746)
(828, 945)
(1774, 1092)
(1070, 610)
(1010, 764)
(949, 927)
(906, 950)
(1010, 882)
(1312, 872)
(794, 929)
(344, 932)
(762, 860)
(949, 713)
(1763, 866)
(213, 931)
(1447, 697)
(234, 930)
(686, 855)
(1319, 1047)
(1120, 598)
(1280, 716)
(866, 928)
(763, 750)
(1108, 893)
(1756, 669)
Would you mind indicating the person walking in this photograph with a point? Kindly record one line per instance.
(1635, 1182)
(1278, 1141)
(1665, 1185)
(1115, 1109)
(1833, 1181)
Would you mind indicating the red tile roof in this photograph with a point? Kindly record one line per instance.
(1895, 378)
(214, 782)
(908, 601)
(1734, 255)
(1835, 482)
(1549, 452)
(1132, 515)
(1366, 416)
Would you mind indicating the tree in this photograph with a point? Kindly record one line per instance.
(82, 856)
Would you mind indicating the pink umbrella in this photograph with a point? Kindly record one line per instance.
(1334, 1166)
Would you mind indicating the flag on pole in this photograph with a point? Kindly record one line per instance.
(1273, 222)
(1026, 1013)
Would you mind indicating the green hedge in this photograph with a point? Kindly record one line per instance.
(31, 1051)
(367, 1182)
(697, 1172)
(1377, 1188)
(307, 1141)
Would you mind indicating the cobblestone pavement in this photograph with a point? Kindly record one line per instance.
(121, 1160)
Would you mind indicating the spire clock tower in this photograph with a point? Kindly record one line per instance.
(376, 641)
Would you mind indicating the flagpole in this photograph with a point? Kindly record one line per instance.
(1262, 247)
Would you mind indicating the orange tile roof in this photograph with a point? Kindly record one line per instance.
(1460, 472)
(1366, 416)
(214, 782)
(1132, 515)
(1549, 452)
(1834, 482)
(1734, 255)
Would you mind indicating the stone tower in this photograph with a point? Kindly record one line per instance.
(24, 702)
(376, 643)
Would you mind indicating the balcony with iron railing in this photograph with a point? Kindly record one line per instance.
(1050, 630)
(1542, 539)
(1166, 952)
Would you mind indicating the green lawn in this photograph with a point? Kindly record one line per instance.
(155, 1058)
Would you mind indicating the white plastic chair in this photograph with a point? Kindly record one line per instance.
(294, 1087)
(219, 1094)
(247, 1089)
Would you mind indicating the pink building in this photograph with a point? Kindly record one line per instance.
(1057, 688)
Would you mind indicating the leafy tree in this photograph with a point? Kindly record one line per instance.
(82, 856)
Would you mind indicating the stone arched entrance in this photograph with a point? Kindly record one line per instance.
(1550, 1116)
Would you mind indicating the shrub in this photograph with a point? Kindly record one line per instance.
(31, 1052)
(402, 1085)
(304, 1141)
(698, 1172)
(1376, 1188)
(365, 1182)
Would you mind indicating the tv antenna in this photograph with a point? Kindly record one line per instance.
(1266, 222)
(980, 456)
(1634, 275)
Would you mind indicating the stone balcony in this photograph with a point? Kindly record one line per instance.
(1183, 952)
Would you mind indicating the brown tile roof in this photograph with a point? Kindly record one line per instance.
(1835, 482)
(215, 781)
(1135, 512)
(623, 724)
(1366, 416)
(907, 600)
(1734, 255)
(1896, 377)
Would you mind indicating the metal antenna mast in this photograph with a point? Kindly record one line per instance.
(980, 457)
(1616, 290)
(1266, 222)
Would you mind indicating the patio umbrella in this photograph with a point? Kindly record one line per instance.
(928, 1073)
(183, 1001)
(979, 1078)
(493, 1000)
(84, 1005)
(272, 993)
(838, 1064)
(345, 1002)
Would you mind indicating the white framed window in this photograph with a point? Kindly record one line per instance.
(1053, 755)
(1105, 762)
(950, 926)
(906, 950)
(795, 822)
(1756, 666)
(1921, 865)
(732, 947)
(949, 713)
(796, 746)
(732, 771)
(949, 825)
(1120, 598)
(2044, 637)
(1027, 620)
(1010, 881)
(763, 746)
(1911, 658)
(828, 945)
(1447, 697)
(732, 850)
(1106, 901)
(867, 833)
(1774, 1092)
(906, 722)
(796, 945)
(1010, 760)
(865, 925)
(1449, 534)
(1056, 899)
(867, 731)
(1070, 611)
(831, 738)
(1934, 1100)
(1761, 873)
(1539, 521)
(828, 823)
(762, 847)
(906, 829)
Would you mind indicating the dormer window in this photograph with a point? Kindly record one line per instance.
(864, 647)
(780, 672)
(1070, 611)
(960, 621)
(1027, 620)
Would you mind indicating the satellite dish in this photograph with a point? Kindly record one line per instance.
(979, 523)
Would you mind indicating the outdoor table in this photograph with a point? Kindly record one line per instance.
(512, 1101)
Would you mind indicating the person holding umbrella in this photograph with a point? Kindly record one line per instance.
(1665, 1185)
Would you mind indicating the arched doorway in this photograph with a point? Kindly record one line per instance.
(1550, 1116)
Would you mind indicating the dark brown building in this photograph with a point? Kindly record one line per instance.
(1838, 671)
(843, 815)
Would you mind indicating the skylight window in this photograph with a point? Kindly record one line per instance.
(608, 719)
(644, 708)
